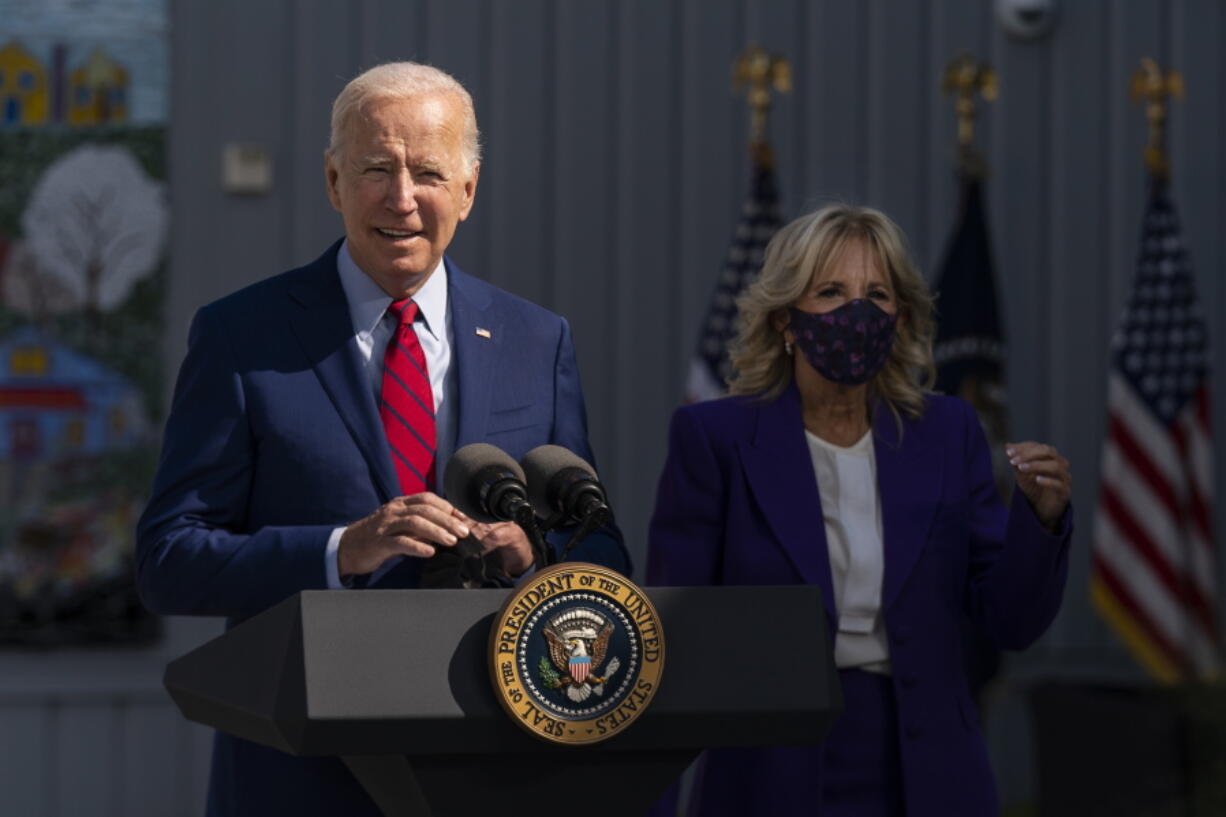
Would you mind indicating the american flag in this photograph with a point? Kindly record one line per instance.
(709, 368)
(1153, 573)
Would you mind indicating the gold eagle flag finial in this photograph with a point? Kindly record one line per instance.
(760, 72)
(965, 78)
(1150, 86)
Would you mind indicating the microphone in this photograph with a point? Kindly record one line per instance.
(486, 484)
(561, 484)
(564, 488)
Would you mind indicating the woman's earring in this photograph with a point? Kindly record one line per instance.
(787, 347)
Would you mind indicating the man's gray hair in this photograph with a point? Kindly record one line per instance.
(403, 80)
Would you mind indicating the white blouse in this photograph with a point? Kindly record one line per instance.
(851, 510)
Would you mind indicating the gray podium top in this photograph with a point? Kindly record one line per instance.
(407, 672)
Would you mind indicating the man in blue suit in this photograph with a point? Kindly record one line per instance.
(283, 469)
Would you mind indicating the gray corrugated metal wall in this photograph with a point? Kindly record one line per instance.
(615, 163)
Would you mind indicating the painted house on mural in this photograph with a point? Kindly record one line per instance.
(55, 402)
(23, 87)
(98, 91)
(94, 93)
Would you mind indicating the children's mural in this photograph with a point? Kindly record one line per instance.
(83, 231)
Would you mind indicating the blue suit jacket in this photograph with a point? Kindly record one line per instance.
(738, 503)
(274, 440)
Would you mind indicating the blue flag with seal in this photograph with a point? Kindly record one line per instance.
(970, 341)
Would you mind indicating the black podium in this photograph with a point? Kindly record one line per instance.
(396, 683)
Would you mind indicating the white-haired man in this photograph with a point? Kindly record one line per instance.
(315, 410)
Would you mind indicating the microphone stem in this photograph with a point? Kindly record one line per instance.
(594, 516)
(526, 519)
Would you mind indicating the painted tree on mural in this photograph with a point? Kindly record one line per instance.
(94, 226)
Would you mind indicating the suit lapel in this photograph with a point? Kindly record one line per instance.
(474, 354)
(909, 476)
(780, 474)
(325, 331)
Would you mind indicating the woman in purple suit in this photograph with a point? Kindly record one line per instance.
(832, 464)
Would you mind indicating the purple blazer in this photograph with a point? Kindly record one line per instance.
(738, 504)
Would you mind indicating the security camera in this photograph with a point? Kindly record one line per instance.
(1026, 19)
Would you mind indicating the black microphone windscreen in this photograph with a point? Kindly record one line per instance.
(468, 468)
(540, 465)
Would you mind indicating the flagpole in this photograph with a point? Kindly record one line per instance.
(759, 72)
(1154, 575)
(1150, 86)
(969, 347)
(966, 78)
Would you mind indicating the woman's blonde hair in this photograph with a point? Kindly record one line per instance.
(806, 249)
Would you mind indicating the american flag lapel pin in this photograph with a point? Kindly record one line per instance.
(483, 332)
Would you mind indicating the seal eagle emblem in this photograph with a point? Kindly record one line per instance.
(576, 654)
(578, 643)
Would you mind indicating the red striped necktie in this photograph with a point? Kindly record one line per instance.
(406, 403)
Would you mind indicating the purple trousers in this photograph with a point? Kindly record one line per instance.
(855, 772)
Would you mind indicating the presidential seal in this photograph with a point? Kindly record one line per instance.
(576, 653)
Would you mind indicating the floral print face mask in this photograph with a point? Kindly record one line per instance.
(847, 345)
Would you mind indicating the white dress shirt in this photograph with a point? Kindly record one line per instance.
(851, 511)
(373, 328)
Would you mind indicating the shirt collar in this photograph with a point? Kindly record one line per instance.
(368, 301)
